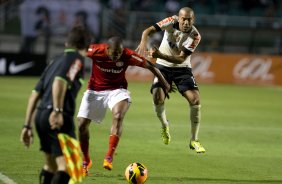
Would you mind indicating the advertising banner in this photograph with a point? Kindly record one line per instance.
(228, 69)
(22, 64)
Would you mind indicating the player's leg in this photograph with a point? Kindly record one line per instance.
(84, 136)
(49, 168)
(43, 130)
(61, 176)
(118, 113)
(187, 86)
(159, 107)
(118, 101)
(193, 97)
(90, 109)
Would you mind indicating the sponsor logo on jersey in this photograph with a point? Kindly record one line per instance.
(165, 21)
(111, 70)
(119, 63)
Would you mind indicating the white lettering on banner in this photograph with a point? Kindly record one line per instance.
(3, 66)
(257, 68)
(201, 67)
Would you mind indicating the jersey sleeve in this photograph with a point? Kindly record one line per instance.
(39, 86)
(135, 59)
(165, 23)
(190, 44)
(91, 50)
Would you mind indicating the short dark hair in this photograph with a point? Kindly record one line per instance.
(115, 41)
(79, 37)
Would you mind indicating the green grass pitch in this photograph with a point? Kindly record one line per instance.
(241, 130)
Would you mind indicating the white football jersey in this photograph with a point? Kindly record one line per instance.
(174, 41)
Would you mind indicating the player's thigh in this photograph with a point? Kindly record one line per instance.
(61, 163)
(93, 106)
(119, 110)
(184, 80)
(50, 163)
(119, 98)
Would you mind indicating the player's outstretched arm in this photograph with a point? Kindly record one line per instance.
(142, 47)
(165, 85)
(177, 59)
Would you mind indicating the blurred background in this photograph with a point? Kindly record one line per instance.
(240, 28)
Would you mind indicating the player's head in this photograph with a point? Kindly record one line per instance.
(79, 37)
(115, 48)
(186, 19)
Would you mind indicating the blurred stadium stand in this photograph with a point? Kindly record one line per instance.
(239, 26)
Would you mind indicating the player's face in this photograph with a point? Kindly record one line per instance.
(115, 53)
(186, 20)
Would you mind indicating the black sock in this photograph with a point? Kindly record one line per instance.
(60, 177)
(45, 177)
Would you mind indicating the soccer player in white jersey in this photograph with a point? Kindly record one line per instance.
(173, 59)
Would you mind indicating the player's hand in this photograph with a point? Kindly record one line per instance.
(173, 88)
(27, 136)
(155, 52)
(170, 89)
(56, 120)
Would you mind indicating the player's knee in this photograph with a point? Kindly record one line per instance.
(83, 125)
(158, 100)
(158, 97)
(195, 101)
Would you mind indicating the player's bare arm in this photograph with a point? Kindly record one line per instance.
(142, 47)
(27, 134)
(177, 59)
(59, 89)
(166, 87)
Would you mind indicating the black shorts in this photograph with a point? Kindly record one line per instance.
(182, 78)
(49, 142)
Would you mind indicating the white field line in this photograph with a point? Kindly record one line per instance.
(6, 179)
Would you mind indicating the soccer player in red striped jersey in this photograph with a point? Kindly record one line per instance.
(107, 88)
(173, 59)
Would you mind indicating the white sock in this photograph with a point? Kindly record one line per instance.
(160, 111)
(195, 117)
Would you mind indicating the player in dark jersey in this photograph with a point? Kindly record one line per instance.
(107, 88)
(173, 59)
(57, 90)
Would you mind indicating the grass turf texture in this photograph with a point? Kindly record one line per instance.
(241, 131)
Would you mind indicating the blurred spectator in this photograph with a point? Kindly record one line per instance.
(41, 27)
(172, 7)
(81, 18)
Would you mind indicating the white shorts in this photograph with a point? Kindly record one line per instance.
(94, 104)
